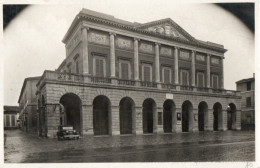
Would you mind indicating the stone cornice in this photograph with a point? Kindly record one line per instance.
(110, 23)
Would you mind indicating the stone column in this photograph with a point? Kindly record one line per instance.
(195, 124)
(210, 120)
(238, 119)
(157, 63)
(139, 120)
(208, 71)
(193, 78)
(112, 56)
(222, 74)
(176, 65)
(85, 50)
(223, 120)
(136, 60)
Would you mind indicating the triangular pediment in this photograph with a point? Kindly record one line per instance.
(166, 27)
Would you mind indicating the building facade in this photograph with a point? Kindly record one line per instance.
(28, 105)
(247, 89)
(120, 77)
(11, 114)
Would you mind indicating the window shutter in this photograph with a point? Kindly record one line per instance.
(147, 74)
(7, 120)
(184, 78)
(97, 67)
(200, 80)
(13, 120)
(124, 71)
(215, 82)
(167, 76)
(101, 70)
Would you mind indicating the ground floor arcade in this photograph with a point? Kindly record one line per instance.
(109, 111)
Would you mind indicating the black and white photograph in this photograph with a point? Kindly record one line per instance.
(129, 83)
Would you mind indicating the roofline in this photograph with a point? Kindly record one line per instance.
(82, 16)
(24, 84)
(245, 80)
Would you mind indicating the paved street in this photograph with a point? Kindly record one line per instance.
(201, 146)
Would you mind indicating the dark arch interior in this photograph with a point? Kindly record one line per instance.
(203, 108)
(126, 108)
(72, 113)
(168, 110)
(148, 111)
(101, 108)
(231, 116)
(186, 116)
(216, 113)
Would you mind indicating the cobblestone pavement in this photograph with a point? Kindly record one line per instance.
(209, 146)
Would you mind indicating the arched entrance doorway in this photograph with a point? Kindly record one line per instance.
(202, 116)
(72, 111)
(187, 116)
(231, 116)
(149, 110)
(126, 114)
(217, 114)
(101, 115)
(168, 115)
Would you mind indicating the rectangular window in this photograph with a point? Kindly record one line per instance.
(248, 102)
(166, 75)
(248, 86)
(124, 70)
(215, 81)
(200, 79)
(147, 73)
(13, 120)
(185, 77)
(99, 67)
(7, 120)
(160, 118)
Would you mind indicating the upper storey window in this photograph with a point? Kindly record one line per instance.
(184, 77)
(99, 67)
(248, 86)
(69, 68)
(215, 81)
(124, 70)
(166, 77)
(147, 72)
(200, 79)
(76, 59)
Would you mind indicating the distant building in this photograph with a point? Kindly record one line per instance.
(28, 105)
(247, 89)
(11, 114)
(120, 77)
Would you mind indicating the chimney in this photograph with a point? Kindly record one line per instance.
(253, 75)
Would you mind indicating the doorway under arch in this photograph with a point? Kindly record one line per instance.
(101, 115)
(149, 110)
(126, 115)
(217, 115)
(168, 115)
(72, 111)
(202, 116)
(187, 116)
(231, 116)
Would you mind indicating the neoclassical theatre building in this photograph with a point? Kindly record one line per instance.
(120, 77)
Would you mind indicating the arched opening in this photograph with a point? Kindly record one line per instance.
(168, 115)
(149, 110)
(231, 116)
(72, 111)
(217, 113)
(101, 115)
(187, 116)
(202, 116)
(126, 114)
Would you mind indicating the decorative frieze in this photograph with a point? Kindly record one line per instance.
(184, 55)
(166, 51)
(147, 48)
(124, 43)
(200, 57)
(98, 38)
(215, 60)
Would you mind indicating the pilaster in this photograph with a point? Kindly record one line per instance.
(112, 55)
(136, 60)
(139, 120)
(176, 65)
(85, 50)
(208, 70)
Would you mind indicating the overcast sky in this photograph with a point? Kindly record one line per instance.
(32, 41)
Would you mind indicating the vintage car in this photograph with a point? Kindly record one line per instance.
(67, 132)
